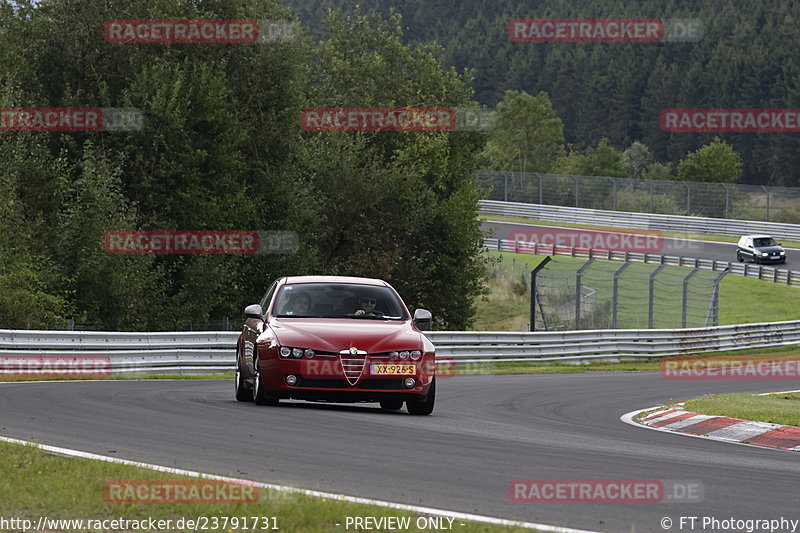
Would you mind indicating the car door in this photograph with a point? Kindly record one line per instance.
(747, 251)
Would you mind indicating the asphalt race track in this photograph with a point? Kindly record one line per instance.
(485, 432)
(674, 247)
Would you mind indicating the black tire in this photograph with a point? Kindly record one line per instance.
(260, 396)
(739, 257)
(243, 392)
(424, 407)
(391, 405)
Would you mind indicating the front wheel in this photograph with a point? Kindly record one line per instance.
(424, 407)
(739, 257)
(243, 392)
(260, 396)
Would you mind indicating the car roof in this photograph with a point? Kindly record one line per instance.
(335, 279)
(760, 236)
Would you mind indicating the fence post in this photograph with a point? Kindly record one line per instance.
(686, 293)
(653, 275)
(577, 197)
(578, 275)
(727, 198)
(688, 199)
(763, 188)
(541, 197)
(715, 296)
(535, 271)
(614, 298)
(505, 186)
(613, 193)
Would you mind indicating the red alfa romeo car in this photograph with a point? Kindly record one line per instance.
(336, 339)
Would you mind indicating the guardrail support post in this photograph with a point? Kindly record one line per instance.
(534, 295)
(578, 275)
(653, 275)
(614, 298)
(686, 293)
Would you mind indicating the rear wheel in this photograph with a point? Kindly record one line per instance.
(739, 256)
(391, 405)
(424, 407)
(260, 396)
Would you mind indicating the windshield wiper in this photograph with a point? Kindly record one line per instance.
(375, 317)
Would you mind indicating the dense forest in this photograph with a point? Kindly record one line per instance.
(746, 59)
(221, 147)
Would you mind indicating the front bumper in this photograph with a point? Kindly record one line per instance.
(324, 379)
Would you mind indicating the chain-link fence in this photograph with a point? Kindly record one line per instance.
(715, 200)
(573, 295)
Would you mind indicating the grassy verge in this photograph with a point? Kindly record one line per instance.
(742, 300)
(774, 408)
(674, 234)
(37, 484)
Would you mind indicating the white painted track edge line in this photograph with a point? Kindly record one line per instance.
(630, 418)
(68, 452)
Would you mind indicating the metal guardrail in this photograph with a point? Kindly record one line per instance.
(775, 275)
(214, 352)
(624, 219)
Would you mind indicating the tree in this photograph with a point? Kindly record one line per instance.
(637, 157)
(401, 206)
(714, 162)
(527, 134)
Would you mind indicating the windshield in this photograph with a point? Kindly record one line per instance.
(765, 241)
(338, 300)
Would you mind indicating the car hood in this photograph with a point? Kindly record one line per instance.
(769, 249)
(334, 335)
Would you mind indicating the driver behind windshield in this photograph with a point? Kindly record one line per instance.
(298, 304)
(366, 305)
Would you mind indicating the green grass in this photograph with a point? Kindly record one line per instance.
(674, 234)
(742, 300)
(775, 408)
(39, 484)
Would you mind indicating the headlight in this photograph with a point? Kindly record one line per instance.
(416, 354)
(783, 253)
(297, 353)
(393, 356)
(285, 351)
(764, 254)
(403, 356)
(309, 353)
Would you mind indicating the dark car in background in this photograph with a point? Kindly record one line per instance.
(760, 249)
(336, 339)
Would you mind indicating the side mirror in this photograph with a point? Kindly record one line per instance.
(254, 311)
(423, 319)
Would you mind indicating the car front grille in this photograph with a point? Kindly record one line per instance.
(353, 366)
